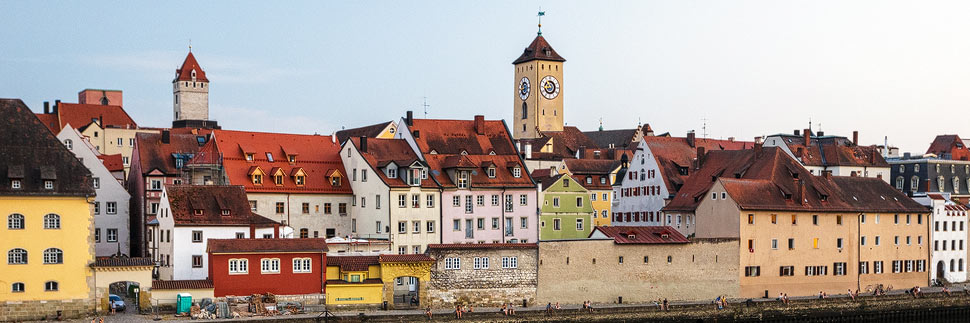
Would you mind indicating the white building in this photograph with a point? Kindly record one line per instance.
(835, 154)
(949, 235)
(190, 215)
(111, 218)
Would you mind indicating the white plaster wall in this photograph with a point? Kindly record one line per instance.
(408, 214)
(940, 237)
(316, 220)
(193, 100)
(183, 248)
(643, 160)
(367, 216)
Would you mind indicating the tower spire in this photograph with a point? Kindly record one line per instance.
(541, 13)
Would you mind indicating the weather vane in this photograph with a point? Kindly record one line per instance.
(541, 13)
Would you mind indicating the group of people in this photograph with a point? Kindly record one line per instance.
(663, 304)
(916, 292)
(459, 310)
(853, 295)
(550, 307)
(719, 303)
(587, 306)
(508, 309)
(783, 298)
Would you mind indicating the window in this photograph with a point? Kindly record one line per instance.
(877, 240)
(377, 201)
(392, 172)
(69, 144)
(469, 208)
(494, 223)
(401, 250)
(480, 200)
(510, 262)
(774, 244)
(342, 209)
(462, 179)
(556, 224)
(196, 261)
(524, 222)
(280, 209)
(15, 221)
(456, 200)
(897, 266)
(17, 256)
(579, 201)
(491, 172)
(774, 219)
(402, 227)
(565, 182)
(456, 225)
(794, 219)
(430, 226)
(815, 219)
(838, 269)
(48, 185)
(579, 224)
(402, 200)
(752, 271)
(791, 243)
(877, 267)
(53, 256)
(15, 184)
(304, 233)
(238, 266)
(481, 263)
(269, 265)
(302, 265)
(156, 185)
(97, 235)
(516, 172)
(838, 243)
(112, 235)
(750, 218)
(494, 199)
(50, 286)
(452, 263)
(17, 287)
(111, 207)
(415, 200)
(786, 271)
(862, 240)
(555, 201)
(480, 224)
(363, 175)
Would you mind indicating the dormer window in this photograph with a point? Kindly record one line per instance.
(589, 180)
(602, 180)
(464, 153)
(225, 212)
(462, 179)
(392, 173)
(278, 179)
(179, 163)
(258, 179)
(415, 176)
(291, 158)
(665, 236)
(199, 212)
(48, 185)
(193, 75)
(300, 180)
(249, 157)
(632, 237)
(334, 181)
(15, 184)
(565, 182)
(424, 173)
(491, 172)
(516, 172)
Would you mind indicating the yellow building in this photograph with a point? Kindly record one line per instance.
(538, 99)
(597, 176)
(46, 197)
(368, 281)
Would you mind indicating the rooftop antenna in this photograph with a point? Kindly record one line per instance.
(885, 147)
(426, 106)
(704, 128)
(190, 45)
(809, 124)
(541, 13)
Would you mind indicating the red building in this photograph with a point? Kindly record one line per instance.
(279, 266)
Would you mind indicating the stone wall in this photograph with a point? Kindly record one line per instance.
(483, 287)
(574, 271)
(43, 310)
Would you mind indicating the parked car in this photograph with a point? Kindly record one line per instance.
(117, 303)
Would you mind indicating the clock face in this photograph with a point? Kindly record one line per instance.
(524, 88)
(550, 87)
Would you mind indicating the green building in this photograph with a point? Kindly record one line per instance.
(566, 210)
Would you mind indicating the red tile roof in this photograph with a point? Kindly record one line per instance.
(406, 258)
(833, 151)
(267, 245)
(353, 263)
(949, 145)
(457, 143)
(154, 154)
(565, 143)
(382, 152)
(595, 169)
(50, 121)
(184, 73)
(181, 284)
(81, 115)
(212, 199)
(317, 155)
(122, 262)
(467, 246)
(539, 49)
(641, 234)
(673, 153)
(112, 162)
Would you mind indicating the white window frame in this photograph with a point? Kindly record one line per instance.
(510, 262)
(269, 265)
(302, 265)
(238, 266)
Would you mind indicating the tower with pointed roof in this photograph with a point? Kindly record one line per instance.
(190, 90)
(538, 99)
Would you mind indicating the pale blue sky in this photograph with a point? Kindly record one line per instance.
(896, 68)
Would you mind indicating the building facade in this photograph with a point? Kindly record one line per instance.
(926, 174)
(566, 211)
(244, 267)
(949, 234)
(538, 94)
(835, 154)
(111, 212)
(46, 198)
(597, 176)
(486, 274)
(190, 91)
(368, 281)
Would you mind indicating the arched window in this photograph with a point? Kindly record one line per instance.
(953, 266)
(52, 221)
(525, 110)
(69, 144)
(17, 287)
(53, 256)
(899, 183)
(50, 286)
(15, 221)
(17, 256)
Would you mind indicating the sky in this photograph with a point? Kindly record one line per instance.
(896, 69)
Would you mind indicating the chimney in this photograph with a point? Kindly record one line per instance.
(416, 134)
(879, 176)
(801, 192)
(528, 150)
(409, 120)
(56, 104)
(166, 136)
(690, 138)
(252, 231)
(798, 132)
(47, 107)
(808, 137)
(700, 157)
(853, 174)
(758, 140)
(363, 144)
(827, 174)
(821, 133)
(101, 120)
(799, 152)
(581, 153)
(929, 186)
(276, 230)
(855, 137)
(730, 139)
(480, 124)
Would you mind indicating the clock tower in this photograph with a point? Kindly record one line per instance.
(537, 104)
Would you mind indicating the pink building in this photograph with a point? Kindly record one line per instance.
(487, 196)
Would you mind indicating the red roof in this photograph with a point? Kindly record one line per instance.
(539, 49)
(313, 245)
(949, 145)
(833, 151)
(406, 258)
(465, 246)
(184, 73)
(674, 153)
(50, 121)
(81, 115)
(595, 169)
(382, 152)
(316, 155)
(112, 162)
(641, 234)
(182, 284)
(212, 200)
(353, 263)
(154, 154)
(565, 144)
(473, 144)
